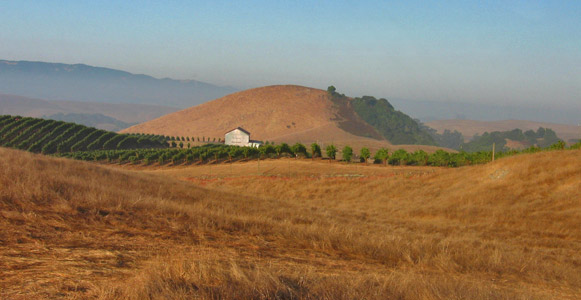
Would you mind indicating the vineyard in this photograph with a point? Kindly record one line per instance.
(216, 153)
(50, 137)
(86, 143)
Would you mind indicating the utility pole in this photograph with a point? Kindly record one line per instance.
(493, 145)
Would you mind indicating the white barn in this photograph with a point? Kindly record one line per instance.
(240, 137)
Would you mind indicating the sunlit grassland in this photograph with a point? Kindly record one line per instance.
(291, 229)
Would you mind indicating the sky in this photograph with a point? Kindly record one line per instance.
(494, 52)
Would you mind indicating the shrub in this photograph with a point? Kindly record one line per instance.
(560, 145)
(249, 152)
(316, 150)
(458, 159)
(399, 157)
(439, 158)
(365, 154)
(299, 149)
(418, 158)
(234, 152)
(267, 150)
(283, 148)
(381, 155)
(331, 151)
(347, 153)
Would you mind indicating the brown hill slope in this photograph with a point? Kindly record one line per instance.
(506, 230)
(275, 113)
(468, 128)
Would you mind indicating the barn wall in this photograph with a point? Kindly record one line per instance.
(237, 137)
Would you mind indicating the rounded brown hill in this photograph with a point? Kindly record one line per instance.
(282, 113)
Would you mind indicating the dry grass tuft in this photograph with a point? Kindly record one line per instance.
(291, 229)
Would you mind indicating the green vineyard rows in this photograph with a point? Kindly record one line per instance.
(50, 137)
(219, 152)
(86, 143)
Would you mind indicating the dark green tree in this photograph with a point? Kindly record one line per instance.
(418, 158)
(382, 155)
(234, 152)
(347, 153)
(283, 148)
(439, 158)
(364, 154)
(331, 152)
(267, 150)
(316, 150)
(399, 157)
(299, 150)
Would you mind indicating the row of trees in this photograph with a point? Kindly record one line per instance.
(220, 152)
(395, 126)
(177, 139)
(50, 136)
(542, 137)
(88, 143)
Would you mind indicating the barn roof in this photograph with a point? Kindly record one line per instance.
(239, 128)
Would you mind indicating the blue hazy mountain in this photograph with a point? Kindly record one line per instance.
(79, 82)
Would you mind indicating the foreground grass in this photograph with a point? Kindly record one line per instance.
(508, 230)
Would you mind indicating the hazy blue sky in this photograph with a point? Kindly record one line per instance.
(491, 51)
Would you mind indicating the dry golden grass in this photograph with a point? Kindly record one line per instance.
(291, 229)
(268, 113)
(279, 113)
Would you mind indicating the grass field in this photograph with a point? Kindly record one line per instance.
(291, 229)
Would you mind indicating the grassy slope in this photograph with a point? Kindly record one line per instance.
(504, 230)
(280, 113)
(269, 113)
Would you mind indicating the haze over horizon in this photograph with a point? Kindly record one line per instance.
(497, 53)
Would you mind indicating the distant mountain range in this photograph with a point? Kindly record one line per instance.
(108, 116)
(79, 82)
(428, 111)
(96, 94)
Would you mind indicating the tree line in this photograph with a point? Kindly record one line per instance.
(395, 126)
(88, 143)
(542, 137)
(224, 153)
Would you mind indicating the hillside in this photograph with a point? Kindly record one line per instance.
(469, 128)
(273, 113)
(394, 125)
(126, 113)
(79, 82)
(281, 113)
(51, 136)
(292, 229)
